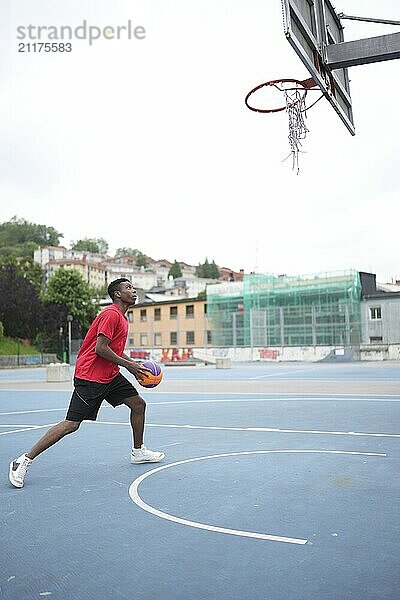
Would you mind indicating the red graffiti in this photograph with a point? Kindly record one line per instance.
(268, 353)
(140, 354)
(176, 354)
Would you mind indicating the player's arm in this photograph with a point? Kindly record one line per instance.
(103, 349)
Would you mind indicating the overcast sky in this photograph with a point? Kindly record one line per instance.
(148, 143)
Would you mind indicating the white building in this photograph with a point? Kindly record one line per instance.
(44, 255)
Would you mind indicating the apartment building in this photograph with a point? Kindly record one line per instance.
(44, 255)
(173, 323)
(93, 274)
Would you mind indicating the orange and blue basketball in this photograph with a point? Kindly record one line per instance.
(154, 372)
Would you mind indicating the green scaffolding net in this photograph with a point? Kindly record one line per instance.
(270, 310)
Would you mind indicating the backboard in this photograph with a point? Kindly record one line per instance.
(310, 26)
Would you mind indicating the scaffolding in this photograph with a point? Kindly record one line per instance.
(225, 313)
(271, 310)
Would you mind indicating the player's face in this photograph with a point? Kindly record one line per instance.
(128, 293)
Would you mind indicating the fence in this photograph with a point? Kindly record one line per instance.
(26, 360)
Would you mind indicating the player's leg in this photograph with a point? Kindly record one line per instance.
(19, 466)
(140, 454)
(85, 403)
(137, 416)
(52, 436)
(121, 391)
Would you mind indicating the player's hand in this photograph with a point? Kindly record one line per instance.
(138, 369)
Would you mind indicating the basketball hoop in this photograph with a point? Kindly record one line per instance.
(295, 93)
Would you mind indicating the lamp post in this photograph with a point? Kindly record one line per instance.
(70, 318)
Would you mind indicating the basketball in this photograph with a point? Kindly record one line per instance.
(155, 376)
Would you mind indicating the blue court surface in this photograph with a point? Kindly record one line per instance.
(281, 481)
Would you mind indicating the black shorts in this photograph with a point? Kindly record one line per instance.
(87, 397)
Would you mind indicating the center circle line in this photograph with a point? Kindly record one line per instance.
(134, 493)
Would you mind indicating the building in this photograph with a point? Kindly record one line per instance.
(338, 316)
(99, 270)
(44, 255)
(94, 274)
(326, 309)
(380, 311)
(226, 274)
(89, 265)
(172, 326)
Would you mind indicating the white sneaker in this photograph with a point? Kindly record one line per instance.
(142, 455)
(18, 469)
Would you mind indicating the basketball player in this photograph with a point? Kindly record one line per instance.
(97, 377)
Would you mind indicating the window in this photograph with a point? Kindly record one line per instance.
(157, 339)
(190, 311)
(375, 313)
(190, 337)
(130, 341)
(143, 339)
(143, 314)
(130, 316)
(173, 312)
(173, 338)
(157, 314)
(208, 333)
(205, 308)
(375, 339)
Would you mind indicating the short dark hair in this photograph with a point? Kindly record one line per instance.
(114, 286)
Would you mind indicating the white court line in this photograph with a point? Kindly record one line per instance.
(371, 398)
(295, 395)
(28, 412)
(253, 429)
(13, 425)
(134, 494)
(283, 373)
(325, 398)
(216, 428)
(27, 428)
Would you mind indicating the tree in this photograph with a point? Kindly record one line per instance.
(53, 333)
(94, 245)
(53, 327)
(126, 251)
(213, 271)
(68, 287)
(27, 268)
(20, 306)
(207, 270)
(175, 270)
(141, 259)
(19, 237)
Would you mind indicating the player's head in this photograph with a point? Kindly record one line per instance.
(115, 286)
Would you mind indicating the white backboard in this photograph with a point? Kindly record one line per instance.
(310, 26)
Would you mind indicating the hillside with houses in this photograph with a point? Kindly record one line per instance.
(156, 278)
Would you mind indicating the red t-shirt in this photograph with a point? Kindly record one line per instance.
(112, 323)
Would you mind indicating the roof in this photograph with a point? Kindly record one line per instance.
(380, 295)
(162, 299)
(52, 248)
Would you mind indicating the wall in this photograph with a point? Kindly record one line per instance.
(289, 354)
(307, 353)
(304, 354)
(380, 352)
